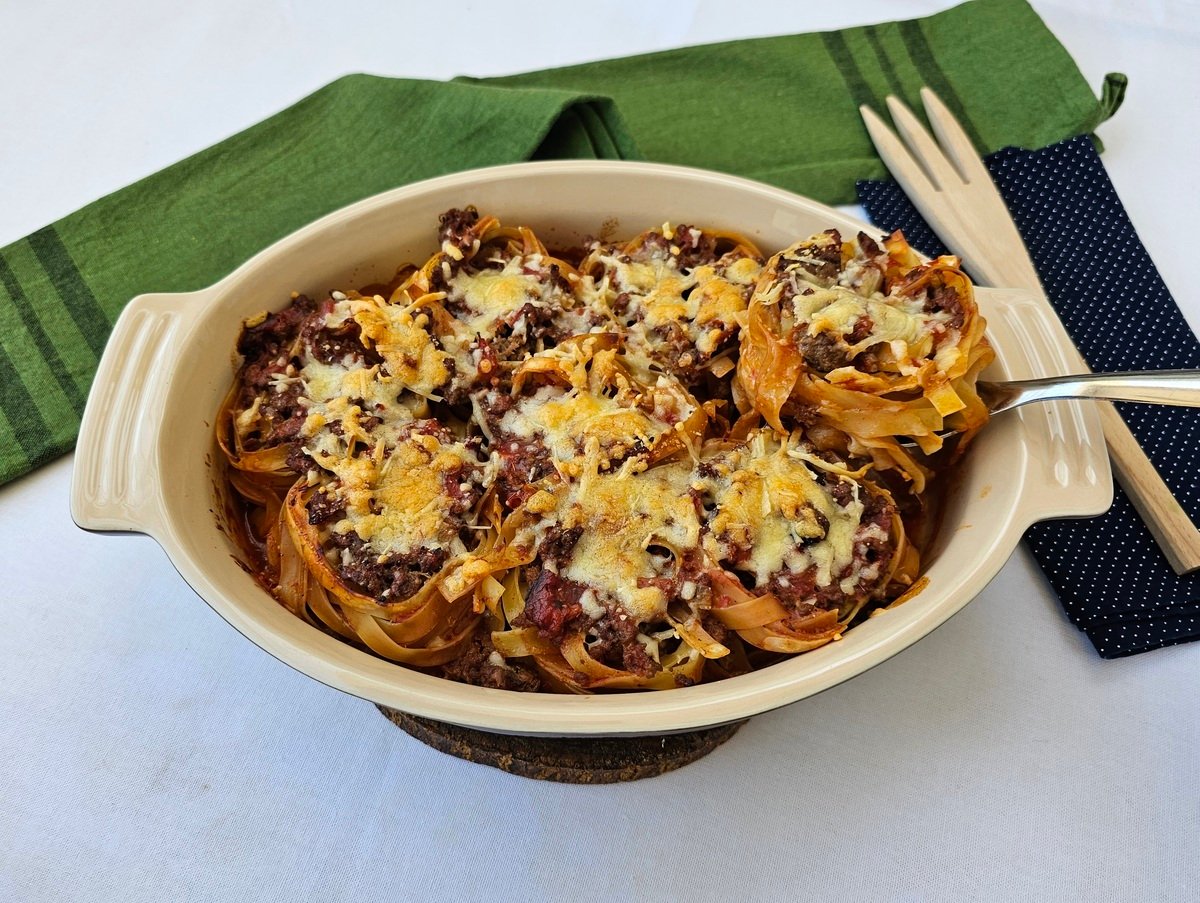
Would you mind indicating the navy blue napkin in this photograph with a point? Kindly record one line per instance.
(1108, 572)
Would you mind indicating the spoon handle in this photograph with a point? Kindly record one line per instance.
(1170, 387)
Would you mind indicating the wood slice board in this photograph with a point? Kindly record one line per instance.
(570, 760)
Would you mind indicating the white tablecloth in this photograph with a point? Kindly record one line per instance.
(149, 752)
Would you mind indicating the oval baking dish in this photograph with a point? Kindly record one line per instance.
(146, 451)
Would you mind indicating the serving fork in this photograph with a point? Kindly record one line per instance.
(947, 182)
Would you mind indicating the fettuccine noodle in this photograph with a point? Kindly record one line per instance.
(638, 465)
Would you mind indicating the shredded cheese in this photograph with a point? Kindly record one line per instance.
(399, 503)
(623, 515)
(769, 502)
(493, 295)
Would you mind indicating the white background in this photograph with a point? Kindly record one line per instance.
(149, 752)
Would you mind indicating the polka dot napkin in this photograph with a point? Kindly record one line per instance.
(1108, 572)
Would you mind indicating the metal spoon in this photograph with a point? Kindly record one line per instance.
(1172, 387)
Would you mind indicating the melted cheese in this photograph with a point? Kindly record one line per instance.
(358, 430)
(743, 271)
(662, 295)
(622, 516)
(605, 402)
(718, 300)
(564, 421)
(401, 337)
(897, 321)
(494, 295)
(658, 275)
(340, 396)
(248, 419)
(769, 500)
(324, 383)
(764, 496)
(345, 395)
(398, 504)
(657, 288)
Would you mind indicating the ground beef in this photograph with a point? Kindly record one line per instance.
(867, 361)
(558, 544)
(676, 353)
(695, 247)
(878, 509)
(822, 259)
(455, 226)
(459, 486)
(298, 460)
(476, 666)
(267, 349)
(870, 247)
(539, 322)
(673, 348)
(787, 291)
(613, 641)
(488, 374)
(367, 422)
(841, 490)
(572, 321)
(285, 414)
(432, 427)
(944, 299)
(862, 328)
(274, 335)
(394, 579)
(559, 280)
(324, 507)
(256, 373)
(552, 606)
(800, 413)
(280, 414)
(503, 345)
(495, 405)
(799, 592)
(523, 462)
(333, 344)
(823, 352)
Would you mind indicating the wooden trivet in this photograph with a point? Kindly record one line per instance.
(570, 760)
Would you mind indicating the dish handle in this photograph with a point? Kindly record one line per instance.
(114, 484)
(1064, 441)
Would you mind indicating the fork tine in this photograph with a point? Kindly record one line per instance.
(982, 191)
(922, 145)
(943, 215)
(895, 155)
(953, 138)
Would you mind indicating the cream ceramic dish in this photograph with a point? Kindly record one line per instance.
(145, 456)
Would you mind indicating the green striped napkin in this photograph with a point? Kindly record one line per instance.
(782, 110)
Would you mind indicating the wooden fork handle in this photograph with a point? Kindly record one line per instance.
(1170, 525)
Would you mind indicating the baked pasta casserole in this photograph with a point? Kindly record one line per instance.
(639, 464)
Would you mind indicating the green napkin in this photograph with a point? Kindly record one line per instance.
(783, 110)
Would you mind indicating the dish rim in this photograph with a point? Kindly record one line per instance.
(362, 674)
